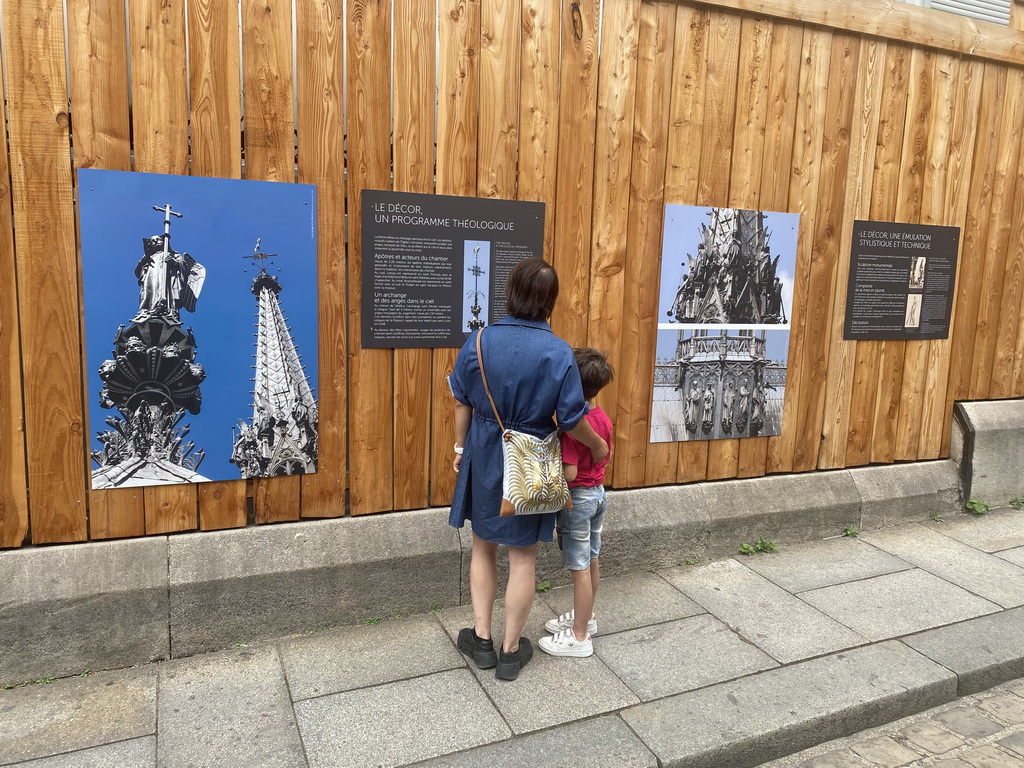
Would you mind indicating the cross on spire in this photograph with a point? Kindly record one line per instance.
(258, 255)
(167, 212)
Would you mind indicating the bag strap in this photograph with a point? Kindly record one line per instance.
(480, 360)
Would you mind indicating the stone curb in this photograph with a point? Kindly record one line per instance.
(113, 604)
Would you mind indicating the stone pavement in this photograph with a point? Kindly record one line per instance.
(728, 663)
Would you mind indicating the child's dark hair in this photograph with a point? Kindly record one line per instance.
(595, 370)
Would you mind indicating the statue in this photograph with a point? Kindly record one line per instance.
(168, 281)
(692, 406)
(728, 401)
(709, 409)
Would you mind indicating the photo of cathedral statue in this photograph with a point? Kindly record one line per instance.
(178, 391)
(727, 266)
(718, 383)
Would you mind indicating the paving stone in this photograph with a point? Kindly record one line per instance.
(885, 751)
(135, 753)
(604, 742)
(746, 722)
(983, 574)
(834, 760)
(227, 709)
(355, 657)
(968, 722)
(629, 602)
(1015, 556)
(1014, 743)
(907, 492)
(991, 757)
(762, 612)
(932, 738)
(984, 652)
(996, 531)
(950, 764)
(824, 563)
(76, 713)
(1006, 708)
(897, 604)
(679, 656)
(398, 723)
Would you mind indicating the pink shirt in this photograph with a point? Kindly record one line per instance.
(578, 455)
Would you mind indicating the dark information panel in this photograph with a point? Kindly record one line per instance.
(901, 281)
(434, 267)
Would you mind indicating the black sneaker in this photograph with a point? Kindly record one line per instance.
(479, 650)
(509, 664)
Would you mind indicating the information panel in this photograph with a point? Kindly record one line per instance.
(901, 281)
(434, 267)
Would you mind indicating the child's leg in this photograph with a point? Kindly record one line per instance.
(595, 578)
(582, 601)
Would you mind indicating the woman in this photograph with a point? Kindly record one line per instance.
(532, 374)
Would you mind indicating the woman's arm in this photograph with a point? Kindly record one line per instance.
(463, 416)
(586, 435)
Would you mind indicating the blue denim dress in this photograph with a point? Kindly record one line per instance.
(532, 375)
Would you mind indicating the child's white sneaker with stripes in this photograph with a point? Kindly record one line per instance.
(565, 643)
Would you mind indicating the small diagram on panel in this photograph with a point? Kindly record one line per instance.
(917, 267)
(715, 384)
(720, 266)
(476, 279)
(912, 317)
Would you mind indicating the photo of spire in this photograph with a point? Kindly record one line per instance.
(171, 339)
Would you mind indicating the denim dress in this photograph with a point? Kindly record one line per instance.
(533, 376)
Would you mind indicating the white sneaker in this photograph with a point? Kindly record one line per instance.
(565, 621)
(566, 644)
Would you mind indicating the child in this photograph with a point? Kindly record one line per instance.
(579, 528)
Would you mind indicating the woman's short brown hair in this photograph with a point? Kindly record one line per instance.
(532, 289)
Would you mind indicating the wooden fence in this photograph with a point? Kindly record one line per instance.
(838, 111)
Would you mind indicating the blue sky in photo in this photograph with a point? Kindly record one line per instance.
(682, 233)
(222, 220)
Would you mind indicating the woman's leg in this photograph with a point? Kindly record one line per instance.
(483, 584)
(522, 566)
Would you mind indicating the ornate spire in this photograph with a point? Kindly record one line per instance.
(281, 438)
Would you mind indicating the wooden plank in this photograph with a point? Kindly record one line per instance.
(716, 151)
(539, 108)
(839, 383)
(1017, 14)
(321, 132)
(750, 147)
(803, 199)
(613, 152)
(216, 148)
(832, 190)
(371, 431)
(413, 106)
(924, 150)
(643, 241)
(882, 194)
(47, 271)
(964, 127)
(1010, 315)
(98, 80)
(575, 175)
(647, 217)
(986, 333)
(269, 146)
(13, 478)
(887, 360)
(682, 174)
(159, 98)
(898, 22)
(780, 128)
(974, 237)
(458, 99)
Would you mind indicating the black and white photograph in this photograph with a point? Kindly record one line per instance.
(917, 267)
(727, 266)
(201, 327)
(718, 383)
(912, 317)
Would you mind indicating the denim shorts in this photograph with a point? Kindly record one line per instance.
(579, 528)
